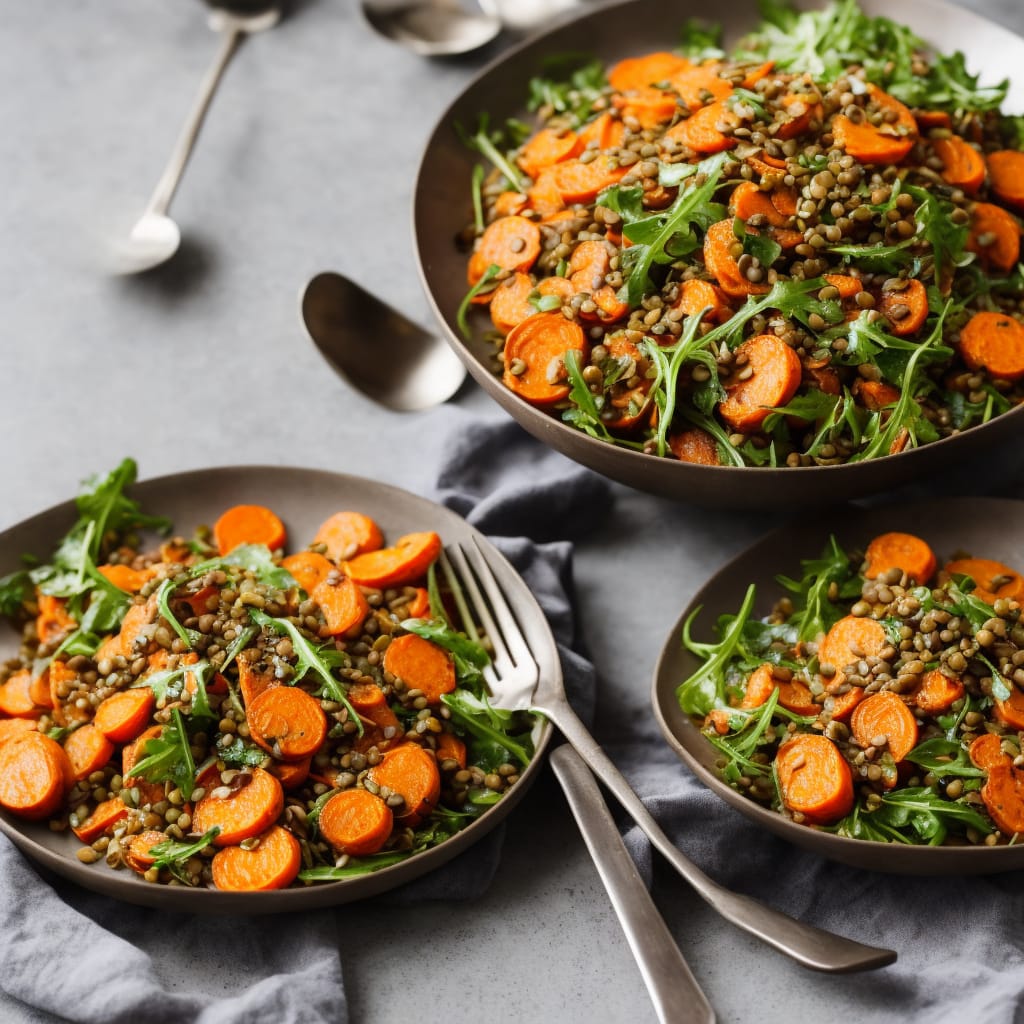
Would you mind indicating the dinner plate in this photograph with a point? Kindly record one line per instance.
(303, 498)
(985, 527)
(442, 209)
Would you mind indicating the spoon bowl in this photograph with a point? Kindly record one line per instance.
(378, 350)
(432, 28)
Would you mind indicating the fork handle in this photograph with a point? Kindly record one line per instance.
(810, 946)
(674, 991)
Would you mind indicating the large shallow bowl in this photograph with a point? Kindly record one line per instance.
(303, 498)
(985, 527)
(442, 208)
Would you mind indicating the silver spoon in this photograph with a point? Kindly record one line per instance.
(155, 238)
(674, 991)
(375, 348)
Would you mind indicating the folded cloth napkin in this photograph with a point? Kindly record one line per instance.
(90, 959)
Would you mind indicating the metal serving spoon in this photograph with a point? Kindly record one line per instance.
(377, 349)
(155, 238)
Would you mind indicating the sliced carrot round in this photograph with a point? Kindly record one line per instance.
(814, 779)
(535, 353)
(849, 640)
(994, 342)
(342, 604)
(510, 302)
(16, 696)
(1006, 176)
(410, 771)
(937, 693)
(701, 84)
(272, 863)
(718, 243)
(885, 714)
(124, 715)
(1003, 796)
(34, 775)
(885, 143)
(648, 69)
(246, 812)
(309, 568)
(905, 310)
(547, 147)
(421, 665)
(102, 820)
(706, 131)
(356, 822)
(696, 446)
(987, 751)
(347, 534)
(994, 237)
(760, 686)
(512, 243)
(895, 550)
(963, 166)
(774, 381)
(404, 563)
(248, 524)
(287, 722)
(992, 579)
(136, 850)
(88, 750)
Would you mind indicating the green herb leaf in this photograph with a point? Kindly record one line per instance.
(944, 758)
(169, 757)
(815, 614)
(504, 728)
(174, 855)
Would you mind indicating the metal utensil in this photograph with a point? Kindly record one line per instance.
(377, 349)
(674, 991)
(516, 683)
(155, 238)
(432, 28)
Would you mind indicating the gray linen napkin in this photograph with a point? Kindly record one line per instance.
(117, 963)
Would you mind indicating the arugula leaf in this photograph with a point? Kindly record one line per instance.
(585, 412)
(173, 855)
(169, 757)
(569, 84)
(738, 747)
(763, 248)
(461, 320)
(944, 758)
(354, 867)
(815, 613)
(487, 142)
(256, 558)
(15, 589)
(478, 716)
(701, 41)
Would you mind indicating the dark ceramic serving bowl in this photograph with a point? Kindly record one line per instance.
(985, 527)
(303, 498)
(442, 208)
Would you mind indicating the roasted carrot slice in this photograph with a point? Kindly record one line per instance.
(723, 266)
(578, 182)
(342, 604)
(1003, 795)
(697, 296)
(356, 822)
(696, 446)
(801, 110)
(404, 563)
(136, 850)
(896, 550)
(421, 665)
(450, 748)
(875, 394)
(604, 132)
(706, 131)
(512, 243)
(701, 85)
(814, 779)
(102, 820)
(16, 696)
(510, 302)
(410, 771)
(291, 774)
(88, 750)
(962, 165)
(905, 310)
(253, 679)
(937, 693)
(12, 728)
(347, 534)
(648, 69)
(124, 577)
(534, 357)
(382, 724)
(994, 236)
(885, 143)
(272, 863)
(747, 200)
(548, 147)
(123, 716)
(884, 714)
(760, 686)
(246, 812)
(287, 722)
(309, 568)
(775, 379)
(1006, 176)
(987, 751)
(1011, 711)
(992, 579)
(53, 622)
(34, 775)
(651, 107)
(248, 524)
(994, 342)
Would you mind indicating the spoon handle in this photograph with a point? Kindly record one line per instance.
(674, 991)
(813, 947)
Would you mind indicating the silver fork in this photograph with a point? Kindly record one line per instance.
(517, 682)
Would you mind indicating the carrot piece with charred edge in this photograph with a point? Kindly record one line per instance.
(405, 562)
(775, 379)
(801, 111)
(125, 578)
(342, 604)
(125, 715)
(272, 864)
(875, 395)
(651, 107)
(410, 771)
(548, 147)
(34, 775)
(247, 812)
(419, 606)
(907, 310)
(700, 131)
(994, 342)
(356, 822)
(927, 119)
(992, 579)
(886, 143)
(252, 681)
(16, 696)
(747, 201)
(1010, 711)
(604, 132)
(88, 750)
(101, 820)
(309, 568)
(1003, 796)
(694, 445)
(248, 524)
(722, 265)
(937, 693)
(421, 665)
(287, 722)
(895, 550)
(647, 69)
(885, 714)
(994, 237)
(450, 748)
(760, 685)
(53, 621)
(962, 165)
(847, 636)
(12, 728)
(579, 182)
(1006, 176)
(510, 302)
(536, 348)
(347, 534)
(814, 778)
(696, 84)
(512, 243)
(136, 851)
(987, 751)
(697, 296)
(291, 774)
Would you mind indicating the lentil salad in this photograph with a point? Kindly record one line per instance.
(216, 698)
(783, 256)
(880, 699)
